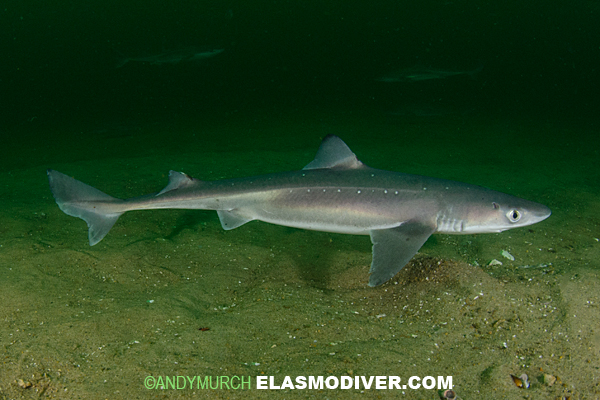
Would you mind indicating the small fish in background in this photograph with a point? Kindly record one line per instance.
(417, 74)
(187, 54)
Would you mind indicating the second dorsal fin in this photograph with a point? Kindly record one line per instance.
(178, 180)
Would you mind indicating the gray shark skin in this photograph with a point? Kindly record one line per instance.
(334, 193)
(172, 57)
(416, 74)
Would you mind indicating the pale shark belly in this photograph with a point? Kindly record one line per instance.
(339, 210)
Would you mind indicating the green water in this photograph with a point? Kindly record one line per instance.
(94, 322)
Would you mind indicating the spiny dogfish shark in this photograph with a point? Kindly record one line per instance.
(417, 74)
(335, 192)
(172, 57)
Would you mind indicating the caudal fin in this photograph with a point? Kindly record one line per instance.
(77, 199)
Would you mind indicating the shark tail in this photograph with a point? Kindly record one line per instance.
(121, 62)
(77, 199)
(121, 59)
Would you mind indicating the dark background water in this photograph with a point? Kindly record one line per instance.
(59, 58)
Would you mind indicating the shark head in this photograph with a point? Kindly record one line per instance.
(497, 212)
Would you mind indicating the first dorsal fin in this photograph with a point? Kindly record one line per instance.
(334, 153)
(178, 180)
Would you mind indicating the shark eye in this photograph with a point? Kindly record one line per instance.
(513, 215)
(495, 205)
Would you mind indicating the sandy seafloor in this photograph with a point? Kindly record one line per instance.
(87, 322)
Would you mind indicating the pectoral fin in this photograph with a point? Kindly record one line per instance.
(393, 248)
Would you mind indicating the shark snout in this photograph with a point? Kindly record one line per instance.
(540, 212)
